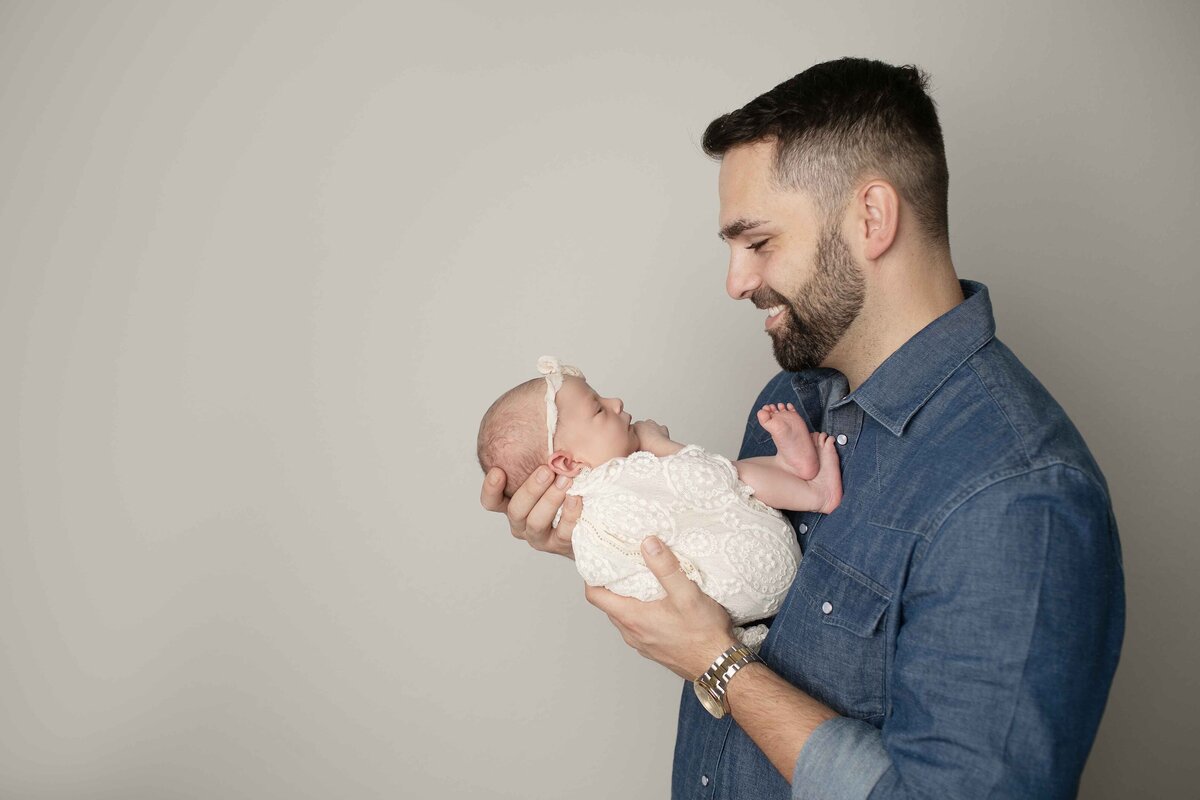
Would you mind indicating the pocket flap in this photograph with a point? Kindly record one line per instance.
(840, 595)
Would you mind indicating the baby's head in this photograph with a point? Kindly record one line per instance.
(515, 435)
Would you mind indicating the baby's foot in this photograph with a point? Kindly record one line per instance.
(796, 445)
(828, 482)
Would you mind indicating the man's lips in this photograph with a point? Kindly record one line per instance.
(774, 314)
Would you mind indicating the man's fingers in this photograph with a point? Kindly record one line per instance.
(492, 496)
(572, 508)
(526, 497)
(531, 509)
(600, 598)
(541, 518)
(665, 566)
(607, 601)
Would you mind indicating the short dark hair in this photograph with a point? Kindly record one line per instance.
(839, 120)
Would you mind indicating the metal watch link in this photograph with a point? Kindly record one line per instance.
(710, 687)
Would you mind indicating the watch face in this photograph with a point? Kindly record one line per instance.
(710, 703)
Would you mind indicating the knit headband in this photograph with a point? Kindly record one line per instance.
(554, 371)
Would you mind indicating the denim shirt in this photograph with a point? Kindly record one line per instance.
(962, 609)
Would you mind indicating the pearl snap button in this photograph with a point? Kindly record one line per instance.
(841, 438)
(704, 780)
(803, 528)
(827, 607)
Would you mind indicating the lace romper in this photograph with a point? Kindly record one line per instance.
(740, 551)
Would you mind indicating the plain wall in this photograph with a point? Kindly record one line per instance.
(264, 265)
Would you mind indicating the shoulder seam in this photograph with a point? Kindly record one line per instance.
(957, 502)
(1000, 408)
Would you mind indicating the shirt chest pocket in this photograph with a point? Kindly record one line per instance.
(829, 639)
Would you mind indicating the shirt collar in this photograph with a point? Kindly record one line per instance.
(905, 381)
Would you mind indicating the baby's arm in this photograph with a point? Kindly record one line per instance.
(804, 474)
(655, 438)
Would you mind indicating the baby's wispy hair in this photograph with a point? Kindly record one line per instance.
(512, 434)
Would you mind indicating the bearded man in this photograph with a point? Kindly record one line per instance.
(955, 624)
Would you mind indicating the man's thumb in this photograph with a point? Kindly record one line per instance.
(663, 563)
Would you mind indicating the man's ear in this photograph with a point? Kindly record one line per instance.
(562, 464)
(879, 217)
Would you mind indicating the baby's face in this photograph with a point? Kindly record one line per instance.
(593, 429)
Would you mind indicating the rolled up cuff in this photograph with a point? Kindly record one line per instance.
(843, 759)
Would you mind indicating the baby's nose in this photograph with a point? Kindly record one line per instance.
(620, 405)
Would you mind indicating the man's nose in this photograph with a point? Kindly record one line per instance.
(742, 280)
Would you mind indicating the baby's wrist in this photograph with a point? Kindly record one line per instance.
(648, 440)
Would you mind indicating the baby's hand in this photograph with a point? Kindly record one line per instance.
(655, 438)
(648, 430)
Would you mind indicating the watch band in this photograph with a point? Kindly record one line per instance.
(712, 684)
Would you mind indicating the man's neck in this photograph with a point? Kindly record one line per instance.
(899, 312)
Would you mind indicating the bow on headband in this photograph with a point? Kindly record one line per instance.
(554, 370)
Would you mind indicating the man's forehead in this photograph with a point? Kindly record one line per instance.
(749, 197)
(746, 166)
(745, 187)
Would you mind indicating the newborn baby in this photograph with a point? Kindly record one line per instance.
(715, 515)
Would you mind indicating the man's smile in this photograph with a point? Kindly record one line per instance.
(774, 314)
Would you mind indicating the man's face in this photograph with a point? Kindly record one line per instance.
(786, 258)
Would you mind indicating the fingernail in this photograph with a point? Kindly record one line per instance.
(562, 481)
(543, 475)
(494, 479)
(653, 545)
(573, 501)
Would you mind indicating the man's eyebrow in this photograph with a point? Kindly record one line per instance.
(738, 227)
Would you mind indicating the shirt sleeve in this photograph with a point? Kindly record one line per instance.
(842, 760)
(1011, 625)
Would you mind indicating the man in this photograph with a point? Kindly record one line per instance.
(955, 624)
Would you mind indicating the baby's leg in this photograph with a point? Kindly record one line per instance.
(793, 441)
(776, 484)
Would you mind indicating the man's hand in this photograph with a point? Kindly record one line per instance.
(684, 631)
(532, 507)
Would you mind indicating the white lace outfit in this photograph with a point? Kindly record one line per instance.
(740, 551)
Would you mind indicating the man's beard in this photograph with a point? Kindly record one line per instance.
(819, 315)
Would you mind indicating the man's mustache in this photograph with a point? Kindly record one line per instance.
(768, 298)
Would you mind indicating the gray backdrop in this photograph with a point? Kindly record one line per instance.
(263, 266)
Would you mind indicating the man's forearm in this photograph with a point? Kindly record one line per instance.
(777, 716)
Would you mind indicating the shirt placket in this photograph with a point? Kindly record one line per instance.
(843, 423)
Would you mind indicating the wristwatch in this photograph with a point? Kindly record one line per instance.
(710, 687)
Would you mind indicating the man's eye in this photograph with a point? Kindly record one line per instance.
(757, 245)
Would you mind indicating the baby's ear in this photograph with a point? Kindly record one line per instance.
(562, 464)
